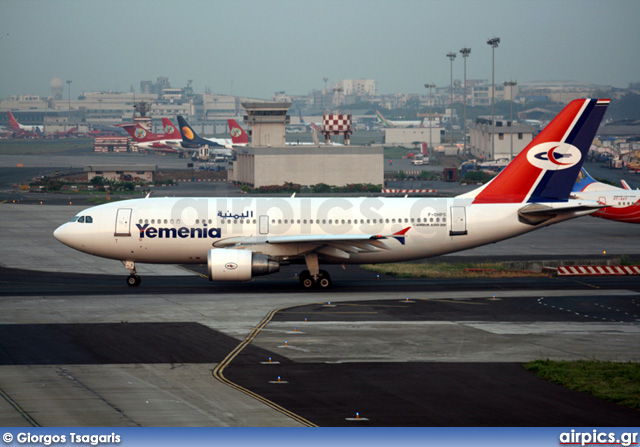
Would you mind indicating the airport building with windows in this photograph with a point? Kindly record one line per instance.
(509, 138)
(268, 161)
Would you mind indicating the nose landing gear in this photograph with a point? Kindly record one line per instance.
(133, 280)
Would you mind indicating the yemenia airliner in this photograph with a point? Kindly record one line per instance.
(239, 238)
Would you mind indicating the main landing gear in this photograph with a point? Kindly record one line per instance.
(133, 280)
(321, 281)
(314, 277)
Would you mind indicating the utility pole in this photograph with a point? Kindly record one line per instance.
(465, 53)
(69, 92)
(430, 86)
(511, 84)
(451, 57)
(494, 42)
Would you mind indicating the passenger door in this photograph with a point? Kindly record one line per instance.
(263, 225)
(458, 221)
(123, 222)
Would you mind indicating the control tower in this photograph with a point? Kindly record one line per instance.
(267, 121)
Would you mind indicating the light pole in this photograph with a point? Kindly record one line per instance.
(494, 42)
(451, 57)
(465, 53)
(430, 86)
(511, 84)
(69, 89)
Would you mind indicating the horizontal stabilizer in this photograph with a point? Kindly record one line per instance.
(537, 213)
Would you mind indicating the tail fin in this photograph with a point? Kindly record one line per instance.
(189, 135)
(238, 135)
(625, 185)
(584, 180)
(546, 170)
(385, 122)
(138, 133)
(13, 122)
(171, 132)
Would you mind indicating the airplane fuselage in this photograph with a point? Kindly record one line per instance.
(183, 230)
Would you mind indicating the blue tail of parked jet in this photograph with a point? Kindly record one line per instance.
(190, 138)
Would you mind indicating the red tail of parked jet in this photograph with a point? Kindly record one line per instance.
(546, 170)
(169, 141)
(170, 131)
(21, 130)
(238, 136)
(142, 135)
(15, 125)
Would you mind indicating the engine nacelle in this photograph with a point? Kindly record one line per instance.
(225, 264)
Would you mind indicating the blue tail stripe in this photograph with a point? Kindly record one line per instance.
(556, 186)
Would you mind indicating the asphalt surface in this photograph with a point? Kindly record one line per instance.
(78, 347)
(330, 392)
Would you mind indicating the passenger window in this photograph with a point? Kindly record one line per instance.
(89, 219)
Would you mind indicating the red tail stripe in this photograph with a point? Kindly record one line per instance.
(519, 177)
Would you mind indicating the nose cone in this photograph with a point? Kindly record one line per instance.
(63, 234)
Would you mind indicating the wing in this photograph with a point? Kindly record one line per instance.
(334, 245)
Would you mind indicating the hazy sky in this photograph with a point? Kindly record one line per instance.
(256, 47)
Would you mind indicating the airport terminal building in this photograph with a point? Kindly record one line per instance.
(265, 164)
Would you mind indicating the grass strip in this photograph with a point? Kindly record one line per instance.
(447, 270)
(611, 381)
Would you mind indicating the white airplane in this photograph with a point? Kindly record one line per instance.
(620, 204)
(24, 129)
(388, 123)
(240, 238)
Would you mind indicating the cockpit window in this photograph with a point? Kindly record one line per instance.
(88, 219)
(75, 219)
(81, 219)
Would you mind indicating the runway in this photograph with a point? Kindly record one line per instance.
(80, 348)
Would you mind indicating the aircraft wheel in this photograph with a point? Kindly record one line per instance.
(306, 280)
(324, 280)
(133, 281)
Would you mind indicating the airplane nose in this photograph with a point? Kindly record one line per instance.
(62, 234)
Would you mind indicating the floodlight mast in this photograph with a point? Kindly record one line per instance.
(493, 42)
(511, 84)
(451, 57)
(465, 53)
(430, 86)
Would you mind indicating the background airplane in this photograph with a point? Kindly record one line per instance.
(169, 141)
(73, 132)
(250, 236)
(388, 123)
(192, 140)
(238, 136)
(622, 204)
(22, 130)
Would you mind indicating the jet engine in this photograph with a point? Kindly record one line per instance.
(225, 264)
